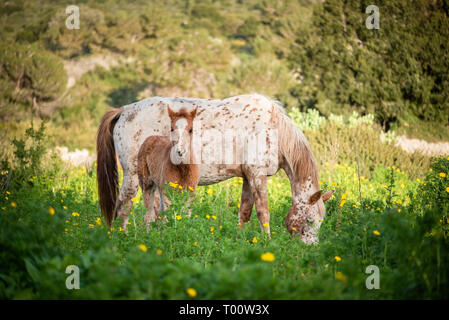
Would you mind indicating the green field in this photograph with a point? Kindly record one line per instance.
(49, 219)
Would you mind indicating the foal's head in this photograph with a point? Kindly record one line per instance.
(181, 123)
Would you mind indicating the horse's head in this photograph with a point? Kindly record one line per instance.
(181, 123)
(307, 213)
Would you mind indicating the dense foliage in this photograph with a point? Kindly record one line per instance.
(304, 53)
(398, 71)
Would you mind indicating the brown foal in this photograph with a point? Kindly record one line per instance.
(164, 159)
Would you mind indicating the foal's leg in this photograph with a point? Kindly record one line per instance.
(258, 186)
(191, 198)
(161, 205)
(148, 200)
(246, 203)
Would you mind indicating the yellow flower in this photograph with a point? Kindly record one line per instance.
(7, 192)
(98, 222)
(143, 247)
(75, 214)
(214, 217)
(159, 252)
(293, 228)
(254, 240)
(13, 204)
(91, 225)
(212, 229)
(120, 229)
(447, 189)
(340, 276)
(377, 233)
(207, 216)
(191, 189)
(342, 203)
(238, 205)
(266, 224)
(173, 185)
(343, 196)
(134, 199)
(399, 210)
(337, 258)
(178, 217)
(64, 207)
(210, 191)
(267, 256)
(195, 244)
(51, 211)
(442, 175)
(399, 202)
(191, 292)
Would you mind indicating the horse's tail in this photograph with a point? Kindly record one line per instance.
(107, 176)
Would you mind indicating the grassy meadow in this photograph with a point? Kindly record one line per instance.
(50, 219)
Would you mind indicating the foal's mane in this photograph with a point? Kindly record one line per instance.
(294, 146)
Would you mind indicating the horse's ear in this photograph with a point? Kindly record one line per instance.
(193, 112)
(328, 195)
(171, 113)
(315, 197)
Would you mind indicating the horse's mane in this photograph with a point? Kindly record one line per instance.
(294, 146)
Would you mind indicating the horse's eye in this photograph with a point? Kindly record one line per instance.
(190, 131)
(172, 129)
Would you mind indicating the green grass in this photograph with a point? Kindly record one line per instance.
(209, 253)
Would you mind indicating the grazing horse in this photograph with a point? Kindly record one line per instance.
(163, 159)
(123, 130)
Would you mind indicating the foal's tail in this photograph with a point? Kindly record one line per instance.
(107, 177)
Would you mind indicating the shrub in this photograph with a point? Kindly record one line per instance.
(30, 74)
(434, 191)
(27, 161)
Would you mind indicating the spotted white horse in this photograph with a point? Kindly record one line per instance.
(123, 130)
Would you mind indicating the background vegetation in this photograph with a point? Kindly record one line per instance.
(304, 53)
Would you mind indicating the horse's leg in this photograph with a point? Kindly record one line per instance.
(127, 192)
(258, 186)
(246, 203)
